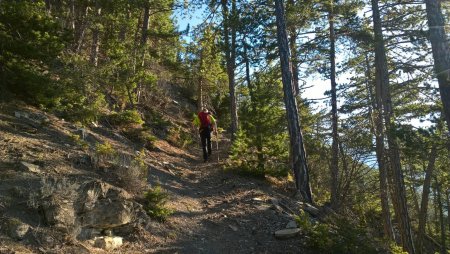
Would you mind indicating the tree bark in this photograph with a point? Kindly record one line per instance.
(200, 81)
(378, 131)
(294, 55)
(382, 79)
(334, 117)
(443, 249)
(441, 53)
(95, 37)
(297, 149)
(230, 57)
(425, 197)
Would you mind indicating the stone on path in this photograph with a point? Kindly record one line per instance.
(234, 228)
(287, 233)
(291, 224)
(30, 167)
(108, 242)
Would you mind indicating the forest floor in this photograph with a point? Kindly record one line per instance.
(214, 210)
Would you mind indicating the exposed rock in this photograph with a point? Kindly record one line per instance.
(105, 206)
(20, 114)
(59, 213)
(108, 242)
(234, 228)
(275, 202)
(287, 233)
(311, 209)
(30, 167)
(16, 229)
(291, 224)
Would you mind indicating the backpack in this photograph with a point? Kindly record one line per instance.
(205, 121)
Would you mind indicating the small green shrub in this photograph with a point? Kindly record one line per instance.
(126, 118)
(341, 237)
(155, 201)
(104, 149)
(79, 142)
(157, 121)
(178, 137)
(144, 137)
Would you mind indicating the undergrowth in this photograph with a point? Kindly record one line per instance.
(343, 236)
(155, 200)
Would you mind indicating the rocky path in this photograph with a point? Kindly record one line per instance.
(217, 211)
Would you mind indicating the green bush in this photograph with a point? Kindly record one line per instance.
(143, 136)
(155, 201)
(105, 149)
(178, 137)
(341, 237)
(126, 118)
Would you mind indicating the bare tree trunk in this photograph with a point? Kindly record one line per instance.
(200, 81)
(144, 37)
(80, 26)
(297, 149)
(425, 197)
(378, 131)
(334, 118)
(441, 53)
(441, 216)
(382, 79)
(230, 57)
(294, 55)
(95, 37)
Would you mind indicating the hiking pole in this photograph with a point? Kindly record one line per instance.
(217, 144)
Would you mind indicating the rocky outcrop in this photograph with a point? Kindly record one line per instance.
(95, 207)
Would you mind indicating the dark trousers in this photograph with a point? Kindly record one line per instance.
(205, 136)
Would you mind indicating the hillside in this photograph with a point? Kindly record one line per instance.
(47, 204)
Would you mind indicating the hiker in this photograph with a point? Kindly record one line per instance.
(206, 123)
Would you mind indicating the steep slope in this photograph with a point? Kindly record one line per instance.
(57, 194)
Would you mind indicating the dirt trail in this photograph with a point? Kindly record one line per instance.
(217, 211)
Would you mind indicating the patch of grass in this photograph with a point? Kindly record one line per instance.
(155, 200)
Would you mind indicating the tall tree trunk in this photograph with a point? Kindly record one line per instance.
(297, 149)
(294, 55)
(247, 70)
(425, 197)
(441, 53)
(441, 216)
(229, 23)
(413, 190)
(378, 131)
(144, 37)
(382, 79)
(80, 26)
(200, 81)
(95, 37)
(334, 117)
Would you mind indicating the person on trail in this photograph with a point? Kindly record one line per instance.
(206, 123)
